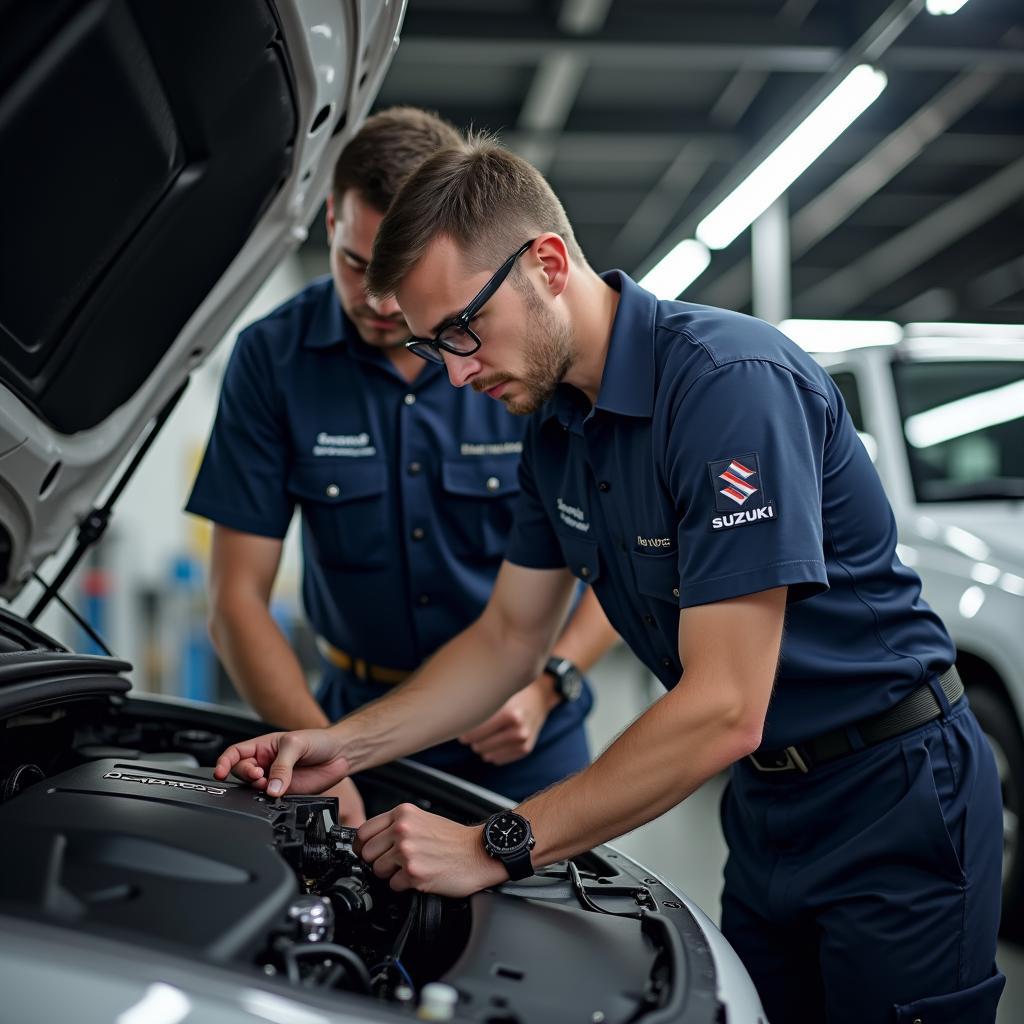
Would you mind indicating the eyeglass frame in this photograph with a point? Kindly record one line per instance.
(430, 349)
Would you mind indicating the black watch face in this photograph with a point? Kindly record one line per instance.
(507, 833)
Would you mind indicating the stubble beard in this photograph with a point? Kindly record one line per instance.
(549, 352)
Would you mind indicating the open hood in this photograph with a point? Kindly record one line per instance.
(160, 159)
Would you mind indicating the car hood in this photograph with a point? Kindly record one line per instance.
(993, 536)
(157, 168)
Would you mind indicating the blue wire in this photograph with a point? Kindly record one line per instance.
(405, 974)
(396, 963)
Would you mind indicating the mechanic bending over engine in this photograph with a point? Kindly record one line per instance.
(701, 473)
(407, 490)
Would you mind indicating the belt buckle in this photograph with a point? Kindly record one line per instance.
(790, 763)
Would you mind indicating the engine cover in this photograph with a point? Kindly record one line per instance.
(170, 853)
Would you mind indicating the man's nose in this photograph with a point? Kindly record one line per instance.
(461, 369)
(387, 307)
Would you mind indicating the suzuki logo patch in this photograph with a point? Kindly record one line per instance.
(739, 492)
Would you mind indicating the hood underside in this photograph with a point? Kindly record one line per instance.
(160, 159)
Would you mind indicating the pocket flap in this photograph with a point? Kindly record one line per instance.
(582, 557)
(480, 478)
(335, 483)
(977, 1003)
(658, 575)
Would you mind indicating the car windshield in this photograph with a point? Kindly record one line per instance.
(963, 424)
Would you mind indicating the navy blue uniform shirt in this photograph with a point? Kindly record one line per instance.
(719, 460)
(406, 490)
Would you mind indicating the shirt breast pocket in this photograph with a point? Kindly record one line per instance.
(479, 504)
(344, 507)
(582, 557)
(657, 576)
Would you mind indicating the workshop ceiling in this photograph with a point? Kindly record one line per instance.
(643, 113)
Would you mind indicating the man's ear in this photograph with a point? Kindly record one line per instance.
(551, 252)
(329, 219)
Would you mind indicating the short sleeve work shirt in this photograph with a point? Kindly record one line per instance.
(406, 490)
(719, 460)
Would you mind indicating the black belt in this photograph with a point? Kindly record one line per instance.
(915, 709)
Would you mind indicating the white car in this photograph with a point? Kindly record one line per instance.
(942, 414)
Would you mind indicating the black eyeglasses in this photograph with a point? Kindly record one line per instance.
(456, 336)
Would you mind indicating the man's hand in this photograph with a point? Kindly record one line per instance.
(419, 850)
(307, 761)
(351, 810)
(512, 731)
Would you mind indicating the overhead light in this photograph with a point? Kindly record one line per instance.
(983, 332)
(672, 273)
(966, 415)
(944, 6)
(840, 335)
(850, 98)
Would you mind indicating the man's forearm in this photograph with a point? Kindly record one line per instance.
(671, 750)
(262, 666)
(456, 689)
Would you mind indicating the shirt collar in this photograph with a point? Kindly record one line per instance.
(627, 383)
(329, 325)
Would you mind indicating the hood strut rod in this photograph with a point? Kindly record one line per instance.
(95, 523)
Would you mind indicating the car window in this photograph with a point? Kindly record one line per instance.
(846, 381)
(963, 424)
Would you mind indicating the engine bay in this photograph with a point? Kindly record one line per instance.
(115, 827)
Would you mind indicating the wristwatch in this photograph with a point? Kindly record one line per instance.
(508, 837)
(568, 678)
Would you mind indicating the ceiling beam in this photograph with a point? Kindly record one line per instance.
(556, 83)
(437, 51)
(846, 288)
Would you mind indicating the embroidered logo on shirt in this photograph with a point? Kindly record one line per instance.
(653, 542)
(736, 481)
(492, 448)
(349, 445)
(572, 516)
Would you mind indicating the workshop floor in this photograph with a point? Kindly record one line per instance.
(685, 846)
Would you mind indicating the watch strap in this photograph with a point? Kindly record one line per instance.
(519, 865)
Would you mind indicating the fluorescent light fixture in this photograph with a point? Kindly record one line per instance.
(985, 332)
(850, 98)
(840, 335)
(966, 415)
(944, 6)
(672, 273)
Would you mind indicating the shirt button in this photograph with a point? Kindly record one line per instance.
(649, 619)
(675, 591)
(409, 399)
(585, 572)
(418, 533)
(493, 483)
(604, 486)
(414, 468)
(333, 490)
(423, 599)
(666, 662)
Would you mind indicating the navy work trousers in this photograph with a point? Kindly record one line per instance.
(561, 747)
(868, 890)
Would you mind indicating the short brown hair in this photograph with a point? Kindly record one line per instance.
(388, 147)
(485, 198)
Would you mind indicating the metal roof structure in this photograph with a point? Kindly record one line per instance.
(644, 113)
